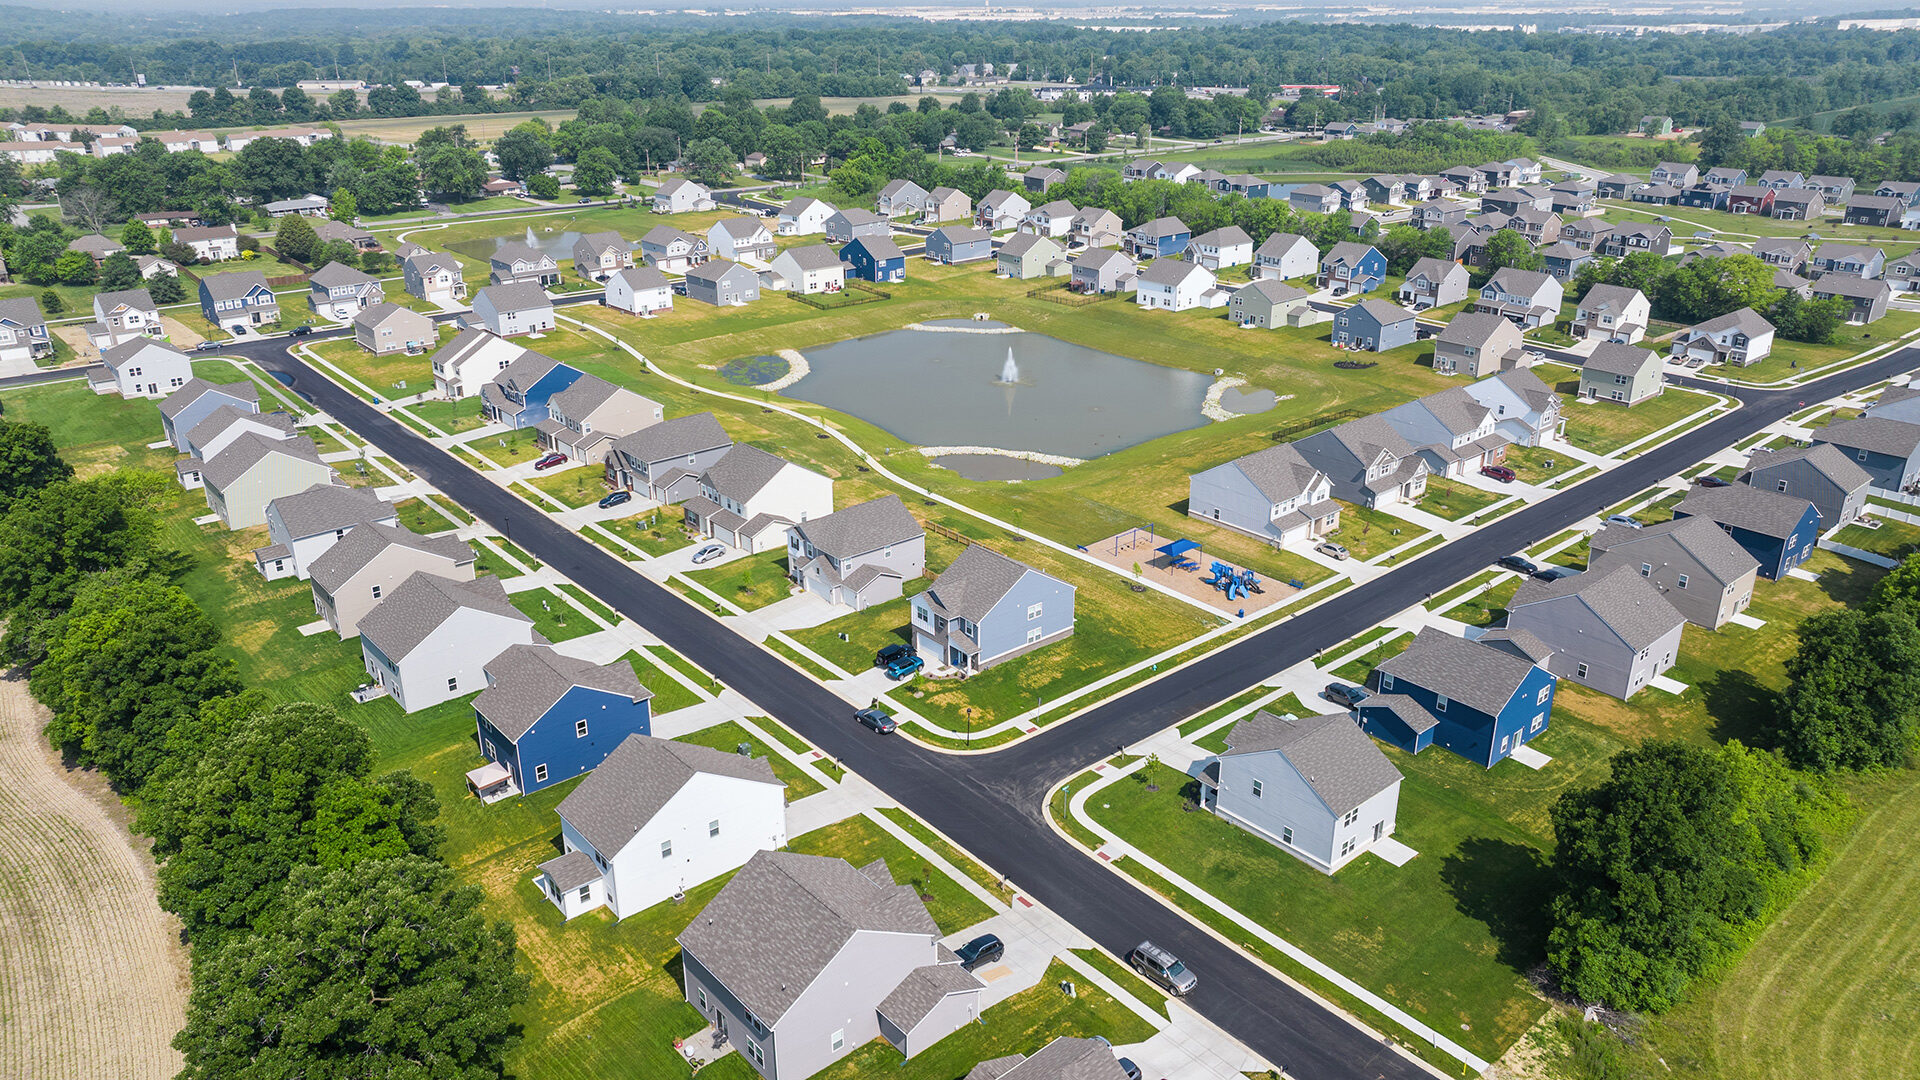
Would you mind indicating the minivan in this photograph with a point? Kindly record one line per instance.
(1162, 967)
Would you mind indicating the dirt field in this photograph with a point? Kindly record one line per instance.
(1136, 546)
(96, 979)
(78, 99)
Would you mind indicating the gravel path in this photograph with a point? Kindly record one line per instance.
(95, 981)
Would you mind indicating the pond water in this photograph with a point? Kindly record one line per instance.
(945, 389)
(997, 467)
(555, 242)
(1235, 400)
(974, 324)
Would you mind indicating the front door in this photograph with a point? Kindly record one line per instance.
(1379, 830)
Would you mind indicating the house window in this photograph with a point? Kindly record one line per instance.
(1346, 849)
(1286, 835)
(1256, 789)
(1541, 698)
(1862, 454)
(713, 828)
(1580, 672)
(666, 849)
(376, 592)
(1353, 815)
(1035, 634)
(586, 893)
(1780, 485)
(1033, 611)
(1646, 569)
(703, 998)
(540, 774)
(453, 683)
(837, 1040)
(579, 729)
(1682, 582)
(1439, 703)
(1386, 682)
(1539, 722)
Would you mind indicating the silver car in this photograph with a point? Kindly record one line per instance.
(1162, 967)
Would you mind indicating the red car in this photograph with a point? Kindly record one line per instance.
(1499, 472)
(550, 461)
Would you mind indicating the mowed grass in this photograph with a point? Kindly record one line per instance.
(1606, 426)
(583, 485)
(1369, 533)
(749, 582)
(1454, 500)
(730, 736)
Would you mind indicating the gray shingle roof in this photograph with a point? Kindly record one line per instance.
(741, 228)
(95, 244)
(1021, 243)
(1474, 328)
(526, 680)
(975, 581)
(140, 299)
(1338, 760)
(813, 257)
(881, 248)
(854, 215)
(861, 528)
(1538, 395)
(1224, 237)
(1628, 603)
(642, 278)
(1065, 1058)
(664, 235)
(1384, 312)
(1824, 458)
(513, 251)
(601, 241)
(956, 234)
(336, 275)
(587, 393)
(398, 624)
(1346, 251)
(1465, 671)
(195, 389)
(1745, 320)
(1849, 286)
(1274, 291)
(743, 471)
(1169, 272)
(1455, 409)
(246, 451)
(368, 540)
(223, 417)
(1280, 243)
(714, 270)
(673, 438)
(1278, 471)
(773, 928)
(1615, 358)
(1520, 282)
(381, 312)
(1699, 537)
(1875, 433)
(233, 286)
(118, 356)
(517, 296)
(922, 990)
(326, 507)
(1614, 298)
(1163, 226)
(1744, 506)
(1404, 708)
(21, 311)
(570, 871)
(1101, 258)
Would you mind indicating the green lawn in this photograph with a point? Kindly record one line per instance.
(1895, 539)
(1125, 977)
(1536, 465)
(668, 694)
(1369, 533)
(1454, 500)
(981, 876)
(486, 562)
(552, 615)
(420, 515)
(1487, 608)
(730, 736)
(509, 447)
(751, 582)
(1602, 427)
(451, 417)
(1356, 670)
(583, 485)
(389, 376)
(664, 535)
(1743, 228)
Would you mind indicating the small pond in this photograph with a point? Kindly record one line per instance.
(1235, 400)
(947, 389)
(555, 242)
(997, 467)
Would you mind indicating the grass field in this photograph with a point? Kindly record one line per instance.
(1606, 426)
(1454, 500)
(580, 486)
(1744, 227)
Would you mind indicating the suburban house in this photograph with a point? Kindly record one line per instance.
(947, 204)
(304, 526)
(517, 396)
(430, 639)
(237, 300)
(1275, 494)
(1432, 283)
(1751, 199)
(1053, 220)
(1102, 270)
(545, 718)
(1894, 403)
(143, 367)
(1628, 374)
(221, 427)
(1572, 197)
(253, 470)
(122, 315)
(197, 399)
(1285, 256)
(723, 284)
(507, 310)
(1030, 255)
(1314, 786)
(389, 328)
(1527, 298)
(668, 249)
(215, 243)
(1480, 700)
(1611, 630)
(1874, 210)
(985, 609)
(1173, 285)
(640, 290)
(1679, 174)
(1065, 1058)
(802, 959)
(468, 362)
(371, 561)
(1041, 177)
(339, 292)
(1477, 344)
(1822, 474)
(589, 414)
(1439, 213)
(1867, 298)
(597, 256)
(859, 556)
(804, 217)
(680, 197)
(1903, 273)
(23, 331)
(663, 462)
(1314, 199)
(901, 198)
(1739, 337)
(1525, 410)
(433, 276)
(308, 205)
(809, 268)
(1587, 234)
(1161, 237)
(875, 258)
(741, 239)
(1465, 178)
(1860, 260)
(1780, 531)
(1539, 226)
(845, 225)
(1000, 210)
(1269, 303)
(1451, 430)
(515, 263)
(1612, 313)
(958, 244)
(655, 818)
(1785, 252)
(1657, 194)
(1221, 248)
(1373, 326)
(1702, 571)
(749, 497)
(1622, 240)
(358, 238)
(1888, 449)
(1368, 462)
(1798, 204)
(1350, 267)
(1094, 227)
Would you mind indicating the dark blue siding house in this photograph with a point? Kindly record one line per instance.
(874, 258)
(1481, 701)
(545, 718)
(1350, 267)
(1777, 530)
(518, 396)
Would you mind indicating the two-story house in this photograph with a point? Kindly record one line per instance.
(1525, 410)
(1314, 199)
(859, 556)
(586, 417)
(122, 315)
(1627, 374)
(1480, 700)
(1612, 313)
(1373, 325)
(853, 222)
(253, 470)
(1622, 240)
(741, 239)
(433, 276)
(749, 497)
(1698, 567)
(1741, 338)
(389, 328)
(1000, 210)
(1678, 173)
(1779, 530)
(516, 263)
(212, 243)
(1611, 630)
(238, 300)
(1526, 298)
(339, 292)
(1274, 494)
(304, 526)
(1096, 228)
(955, 244)
(1367, 462)
(1888, 449)
(197, 399)
(23, 331)
(1859, 260)
(901, 198)
(1432, 283)
(1221, 248)
(431, 638)
(1451, 431)
(667, 249)
(1751, 199)
(1866, 298)
(1798, 204)
(545, 718)
(598, 256)
(507, 310)
(1268, 303)
(143, 367)
(1351, 267)
(517, 396)
(1822, 474)
(370, 561)
(985, 609)
(470, 360)
(1315, 787)
(804, 217)
(1160, 238)
(1053, 220)
(946, 204)
(680, 197)
(663, 462)
(1173, 285)
(1477, 344)
(639, 290)
(1285, 256)
(724, 283)
(1875, 211)
(874, 258)
(812, 268)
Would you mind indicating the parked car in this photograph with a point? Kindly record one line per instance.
(303, 330)
(877, 720)
(903, 666)
(1500, 473)
(984, 949)
(885, 657)
(1162, 967)
(1516, 562)
(206, 346)
(582, 202)
(1346, 696)
(616, 498)
(1622, 519)
(1331, 549)
(1127, 1066)
(1554, 573)
(549, 462)
(1712, 481)
(709, 553)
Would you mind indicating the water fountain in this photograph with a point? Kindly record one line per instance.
(530, 240)
(1010, 371)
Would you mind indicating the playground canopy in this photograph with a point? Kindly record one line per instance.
(1178, 548)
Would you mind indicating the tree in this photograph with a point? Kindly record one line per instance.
(1817, 321)
(385, 967)
(75, 268)
(89, 207)
(137, 238)
(1028, 136)
(1508, 249)
(165, 288)
(53, 537)
(1853, 690)
(29, 460)
(543, 186)
(454, 172)
(343, 206)
(710, 161)
(523, 151)
(344, 102)
(117, 271)
(50, 302)
(1097, 139)
(593, 173)
(295, 239)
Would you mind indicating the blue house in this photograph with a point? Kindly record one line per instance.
(1374, 326)
(544, 718)
(956, 244)
(518, 396)
(985, 608)
(1887, 447)
(874, 258)
(1160, 238)
(1481, 701)
(1350, 267)
(1778, 530)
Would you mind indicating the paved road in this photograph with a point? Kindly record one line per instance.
(992, 803)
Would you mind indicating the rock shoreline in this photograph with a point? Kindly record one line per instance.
(1024, 455)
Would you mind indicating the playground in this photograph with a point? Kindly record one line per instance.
(1184, 566)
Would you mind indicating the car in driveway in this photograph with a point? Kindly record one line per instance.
(985, 949)
(885, 657)
(1500, 473)
(1622, 519)
(1517, 563)
(1127, 1066)
(549, 461)
(880, 722)
(1554, 573)
(709, 553)
(1346, 696)
(903, 666)
(1712, 482)
(1162, 967)
(615, 498)
(1332, 550)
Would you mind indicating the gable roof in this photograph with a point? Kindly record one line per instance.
(674, 438)
(399, 623)
(812, 257)
(527, 680)
(1616, 358)
(514, 251)
(642, 278)
(1743, 506)
(601, 241)
(21, 311)
(118, 356)
(639, 776)
(1476, 329)
(1101, 258)
(1436, 269)
(923, 990)
(960, 234)
(1475, 675)
(1627, 603)
(664, 235)
(324, 507)
(1227, 236)
(1273, 290)
(1613, 298)
(234, 285)
(517, 296)
(714, 270)
(974, 582)
(224, 417)
(744, 471)
(1699, 537)
(862, 527)
(246, 451)
(1876, 433)
(1169, 272)
(1520, 282)
(1346, 251)
(1745, 320)
(196, 388)
(424, 262)
(1824, 458)
(1528, 386)
(878, 248)
(1384, 312)
(383, 311)
(1279, 244)
(133, 298)
(1336, 759)
(337, 275)
(585, 394)
(741, 228)
(1851, 287)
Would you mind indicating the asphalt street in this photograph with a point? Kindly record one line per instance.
(992, 803)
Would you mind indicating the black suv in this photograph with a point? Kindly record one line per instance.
(889, 654)
(984, 949)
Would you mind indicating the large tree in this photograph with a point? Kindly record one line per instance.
(294, 238)
(453, 172)
(523, 151)
(384, 968)
(710, 161)
(29, 460)
(1853, 691)
(53, 537)
(594, 172)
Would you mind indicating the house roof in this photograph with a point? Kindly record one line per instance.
(368, 539)
(1065, 1058)
(640, 775)
(716, 269)
(678, 437)
(527, 680)
(1522, 381)
(1056, 208)
(1479, 677)
(233, 286)
(854, 215)
(1279, 244)
(1279, 472)
(922, 990)
(585, 394)
(1824, 458)
(1224, 237)
(895, 187)
(601, 241)
(879, 248)
(196, 388)
(1476, 329)
(812, 257)
(1743, 506)
(1336, 759)
(513, 251)
(1346, 251)
(743, 472)
(974, 582)
(381, 312)
(1626, 602)
(773, 928)
(21, 311)
(570, 871)
(1455, 409)
(1745, 320)
(1019, 245)
(1699, 537)
(862, 527)
(1407, 710)
(188, 235)
(1833, 251)
(1615, 358)
(118, 356)
(1767, 245)
(1169, 272)
(1876, 202)
(328, 229)
(664, 235)
(1101, 258)
(1847, 285)
(516, 296)
(1436, 269)
(226, 416)
(741, 228)
(674, 187)
(133, 298)
(1520, 282)
(325, 507)
(1162, 226)
(248, 450)
(1384, 312)
(803, 204)
(642, 278)
(1876, 433)
(423, 602)
(426, 261)
(1613, 298)
(959, 234)
(1273, 290)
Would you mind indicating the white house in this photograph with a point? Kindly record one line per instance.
(339, 292)
(804, 217)
(122, 315)
(1739, 337)
(305, 525)
(811, 268)
(1274, 494)
(471, 360)
(740, 238)
(143, 367)
(641, 290)
(225, 423)
(681, 196)
(749, 497)
(430, 639)
(216, 243)
(657, 818)
(433, 276)
(1172, 285)
(253, 470)
(507, 310)
(1221, 248)
(1316, 787)
(860, 556)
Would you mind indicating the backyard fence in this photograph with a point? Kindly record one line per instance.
(1064, 294)
(854, 293)
(1323, 420)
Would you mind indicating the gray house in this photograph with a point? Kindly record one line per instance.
(514, 263)
(1627, 374)
(858, 556)
(1374, 326)
(1866, 298)
(598, 256)
(1703, 572)
(985, 609)
(1316, 787)
(902, 198)
(958, 244)
(1270, 303)
(1612, 630)
(1433, 283)
(1452, 431)
(663, 461)
(853, 222)
(1064, 1058)
(1889, 450)
(1477, 344)
(1525, 410)
(1528, 298)
(723, 283)
(1275, 494)
(1367, 462)
(240, 299)
(197, 399)
(800, 960)
(1102, 270)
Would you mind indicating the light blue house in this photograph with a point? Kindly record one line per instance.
(1374, 326)
(198, 399)
(958, 244)
(1478, 700)
(1778, 530)
(544, 718)
(518, 396)
(874, 258)
(1315, 787)
(1159, 238)
(986, 608)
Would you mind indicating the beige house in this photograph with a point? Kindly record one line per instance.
(389, 328)
(254, 470)
(371, 561)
